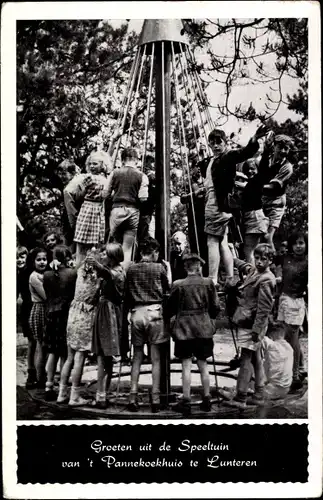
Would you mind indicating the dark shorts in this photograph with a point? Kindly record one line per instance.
(124, 219)
(216, 223)
(147, 325)
(200, 348)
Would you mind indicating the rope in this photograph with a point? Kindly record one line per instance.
(186, 156)
(202, 94)
(126, 93)
(134, 104)
(148, 106)
(198, 109)
(188, 99)
(127, 106)
(179, 127)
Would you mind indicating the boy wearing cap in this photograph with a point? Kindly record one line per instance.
(219, 183)
(275, 170)
(193, 302)
(128, 188)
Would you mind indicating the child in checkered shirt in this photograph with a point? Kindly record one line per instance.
(146, 284)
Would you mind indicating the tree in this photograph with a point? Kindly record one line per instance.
(257, 52)
(65, 103)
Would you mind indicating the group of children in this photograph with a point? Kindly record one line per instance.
(68, 311)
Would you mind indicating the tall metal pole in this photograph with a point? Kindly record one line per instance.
(162, 156)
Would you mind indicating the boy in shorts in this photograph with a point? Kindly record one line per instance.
(194, 303)
(128, 188)
(251, 317)
(219, 184)
(146, 284)
(275, 170)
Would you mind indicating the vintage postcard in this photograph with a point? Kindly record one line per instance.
(161, 255)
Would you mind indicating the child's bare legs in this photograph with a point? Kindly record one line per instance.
(81, 251)
(51, 369)
(108, 366)
(292, 337)
(250, 242)
(244, 374)
(259, 373)
(101, 375)
(127, 246)
(75, 398)
(65, 375)
(269, 237)
(186, 377)
(155, 372)
(135, 371)
(40, 361)
(213, 243)
(31, 354)
(78, 368)
(205, 377)
(227, 257)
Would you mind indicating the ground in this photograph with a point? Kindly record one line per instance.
(32, 406)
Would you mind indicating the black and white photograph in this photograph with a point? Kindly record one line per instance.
(161, 188)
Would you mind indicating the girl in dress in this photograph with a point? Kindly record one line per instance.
(59, 286)
(37, 314)
(90, 190)
(79, 331)
(107, 321)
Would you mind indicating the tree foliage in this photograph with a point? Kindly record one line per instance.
(72, 79)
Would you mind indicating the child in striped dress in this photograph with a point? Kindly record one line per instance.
(37, 314)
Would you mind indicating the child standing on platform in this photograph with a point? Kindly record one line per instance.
(59, 286)
(79, 331)
(37, 314)
(255, 303)
(23, 274)
(255, 223)
(194, 303)
(291, 307)
(146, 284)
(107, 320)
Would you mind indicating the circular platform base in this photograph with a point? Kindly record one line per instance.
(293, 406)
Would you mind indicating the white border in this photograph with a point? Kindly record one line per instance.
(139, 10)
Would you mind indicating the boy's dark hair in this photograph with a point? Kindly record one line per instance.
(294, 237)
(61, 253)
(217, 132)
(68, 165)
(115, 252)
(265, 250)
(148, 246)
(129, 153)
